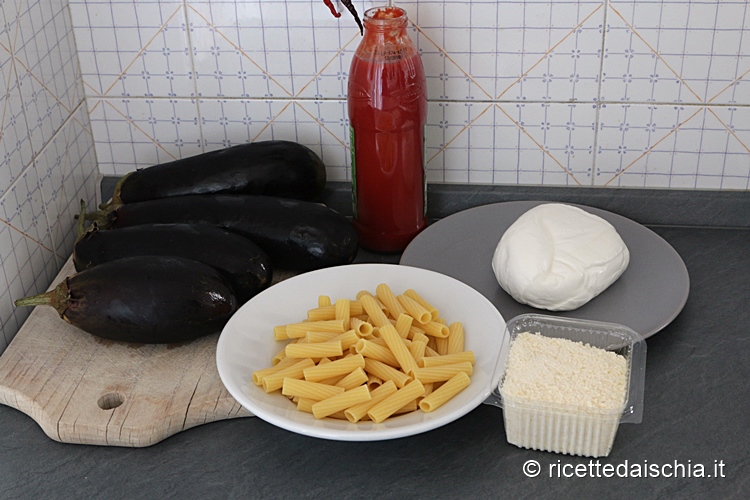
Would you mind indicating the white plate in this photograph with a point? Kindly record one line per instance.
(247, 344)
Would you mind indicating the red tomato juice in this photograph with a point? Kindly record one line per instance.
(387, 111)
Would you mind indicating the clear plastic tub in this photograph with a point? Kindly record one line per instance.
(568, 429)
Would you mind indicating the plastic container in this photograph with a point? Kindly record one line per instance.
(387, 105)
(569, 429)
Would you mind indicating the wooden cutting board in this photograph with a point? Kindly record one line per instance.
(86, 390)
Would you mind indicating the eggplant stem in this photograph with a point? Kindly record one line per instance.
(100, 217)
(59, 298)
(81, 221)
(117, 194)
(42, 299)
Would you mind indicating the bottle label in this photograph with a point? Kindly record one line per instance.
(354, 171)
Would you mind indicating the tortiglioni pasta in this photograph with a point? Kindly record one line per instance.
(369, 358)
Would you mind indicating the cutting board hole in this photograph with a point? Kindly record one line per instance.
(111, 401)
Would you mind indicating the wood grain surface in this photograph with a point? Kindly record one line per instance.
(83, 389)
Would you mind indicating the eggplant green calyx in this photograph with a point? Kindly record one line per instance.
(117, 194)
(59, 298)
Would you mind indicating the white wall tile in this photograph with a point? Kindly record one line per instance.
(692, 147)
(47, 68)
(677, 51)
(133, 133)
(549, 51)
(260, 49)
(67, 175)
(15, 144)
(28, 262)
(130, 48)
(553, 142)
(293, 55)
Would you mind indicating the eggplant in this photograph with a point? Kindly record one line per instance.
(143, 299)
(243, 263)
(270, 168)
(297, 235)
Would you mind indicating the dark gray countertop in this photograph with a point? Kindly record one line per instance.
(695, 413)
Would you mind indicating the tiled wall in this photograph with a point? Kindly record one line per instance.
(646, 93)
(641, 93)
(47, 160)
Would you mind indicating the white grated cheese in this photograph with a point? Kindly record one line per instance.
(555, 370)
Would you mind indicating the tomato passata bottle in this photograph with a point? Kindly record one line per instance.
(387, 101)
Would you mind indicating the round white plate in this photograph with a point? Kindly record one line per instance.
(247, 344)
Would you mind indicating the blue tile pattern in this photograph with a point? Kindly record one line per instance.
(47, 158)
(581, 92)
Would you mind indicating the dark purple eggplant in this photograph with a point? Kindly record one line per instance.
(270, 168)
(297, 235)
(145, 299)
(243, 263)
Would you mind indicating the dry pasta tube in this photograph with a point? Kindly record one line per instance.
(339, 367)
(331, 348)
(396, 344)
(329, 312)
(279, 332)
(377, 340)
(341, 309)
(341, 402)
(386, 372)
(374, 381)
(417, 350)
(447, 359)
(315, 337)
(259, 374)
(370, 349)
(437, 398)
(415, 309)
(357, 412)
(305, 405)
(338, 415)
(414, 295)
(415, 331)
(441, 345)
(417, 336)
(442, 373)
(428, 388)
(433, 328)
(298, 330)
(347, 339)
(278, 358)
(429, 349)
(395, 401)
(455, 338)
(274, 381)
(377, 316)
(407, 408)
(308, 390)
(384, 293)
(325, 313)
(324, 300)
(362, 293)
(354, 379)
(332, 380)
(403, 325)
(363, 329)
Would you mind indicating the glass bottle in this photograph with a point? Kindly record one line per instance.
(387, 103)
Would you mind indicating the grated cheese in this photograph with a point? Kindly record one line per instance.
(555, 370)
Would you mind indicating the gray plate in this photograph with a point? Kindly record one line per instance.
(647, 297)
